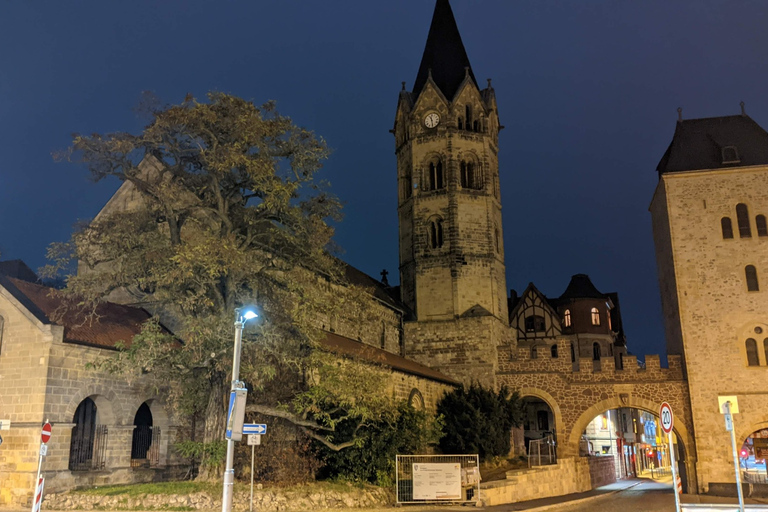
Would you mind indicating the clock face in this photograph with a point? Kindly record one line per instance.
(431, 120)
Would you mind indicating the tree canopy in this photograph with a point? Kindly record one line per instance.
(220, 207)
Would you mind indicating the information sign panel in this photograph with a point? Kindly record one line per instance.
(437, 481)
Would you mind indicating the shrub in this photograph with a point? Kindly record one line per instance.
(479, 420)
(372, 458)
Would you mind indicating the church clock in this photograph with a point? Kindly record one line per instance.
(432, 120)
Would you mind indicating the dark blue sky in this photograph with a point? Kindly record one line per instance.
(587, 91)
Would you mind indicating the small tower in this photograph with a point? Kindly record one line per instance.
(446, 142)
(451, 244)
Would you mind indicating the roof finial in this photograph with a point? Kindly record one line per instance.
(384, 279)
(429, 73)
(489, 82)
(679, 113)
(466, 71)
(743, 111)
(403, 85)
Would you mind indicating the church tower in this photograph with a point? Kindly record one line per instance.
(452, 270)
(446, 142)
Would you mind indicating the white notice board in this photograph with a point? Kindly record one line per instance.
(437, 481)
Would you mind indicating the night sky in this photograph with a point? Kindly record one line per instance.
(587, 90)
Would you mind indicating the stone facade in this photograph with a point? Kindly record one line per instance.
(43, 377)
(709, 311)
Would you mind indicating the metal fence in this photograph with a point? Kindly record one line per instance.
(88, 448)
(145, 448)
(541, 452)
(754, 477)
(459, 477)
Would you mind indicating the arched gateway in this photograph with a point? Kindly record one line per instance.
(578, 392)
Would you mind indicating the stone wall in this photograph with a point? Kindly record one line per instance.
(43, 378)
(709, 312)
(602, 471)
(568, 476)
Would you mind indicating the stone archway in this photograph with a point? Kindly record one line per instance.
(681, 431)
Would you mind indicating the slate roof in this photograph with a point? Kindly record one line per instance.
(698, 143)
(581, 287)
(387, 294)
(444, 54)
(344, 346)
(115, 322)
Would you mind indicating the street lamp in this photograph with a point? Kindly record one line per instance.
(242, 315)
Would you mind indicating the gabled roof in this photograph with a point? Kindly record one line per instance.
(698, 144)
(386, 294)
(19, 270)
(344, 346)
(112, 322)
(581, 287)
(444, 54)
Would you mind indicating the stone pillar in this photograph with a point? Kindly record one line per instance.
(119, 447)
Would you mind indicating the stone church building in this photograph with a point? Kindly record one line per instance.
(451, 320)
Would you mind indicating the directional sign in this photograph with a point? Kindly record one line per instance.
(254, 428)
(5, 424)
(45, 435)
(667, 420)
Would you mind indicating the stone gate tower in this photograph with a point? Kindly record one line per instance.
(451, 244)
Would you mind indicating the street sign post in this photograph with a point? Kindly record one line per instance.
(45, 436)
(727, 407)
(667, 424)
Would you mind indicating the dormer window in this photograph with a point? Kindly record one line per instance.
(730, 155)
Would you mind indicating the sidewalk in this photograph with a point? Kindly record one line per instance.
(544, 504)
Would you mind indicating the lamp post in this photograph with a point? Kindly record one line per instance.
(242, 315)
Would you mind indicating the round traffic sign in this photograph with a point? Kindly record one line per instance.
(45, 435)
(667, 420)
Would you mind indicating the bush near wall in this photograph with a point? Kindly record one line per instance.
(372, 459)
(479, 420)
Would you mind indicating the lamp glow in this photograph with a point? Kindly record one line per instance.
(249, 314)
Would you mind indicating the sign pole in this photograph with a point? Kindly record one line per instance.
(729, 427)
(667, 424)
(673, 463)
(45, 436)
(253, 451)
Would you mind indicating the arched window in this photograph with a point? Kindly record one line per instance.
(595, 316)
(496, 240)
(416, 400)
(742, 219)
(467, 174)
(468, 117)
(407, 184)
(461, 123)
(436, 233)
(752, 284)
(435, 177)
(534, 323)
(752, 357)
(144, 437)
(762, 229)
(725, 224)
(573, 354)
(765, 349)
(567, 318)
(596, 351)
(87, 447)
(553, 351)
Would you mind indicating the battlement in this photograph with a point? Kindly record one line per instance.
(542, 360)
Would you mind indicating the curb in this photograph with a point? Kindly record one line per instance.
(578, 501)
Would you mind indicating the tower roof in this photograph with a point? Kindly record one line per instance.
(444, 55)
(715, 143)
(581, 287)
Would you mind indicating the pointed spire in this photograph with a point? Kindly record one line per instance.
(444, 55)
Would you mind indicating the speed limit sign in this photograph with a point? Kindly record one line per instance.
(667, 420)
